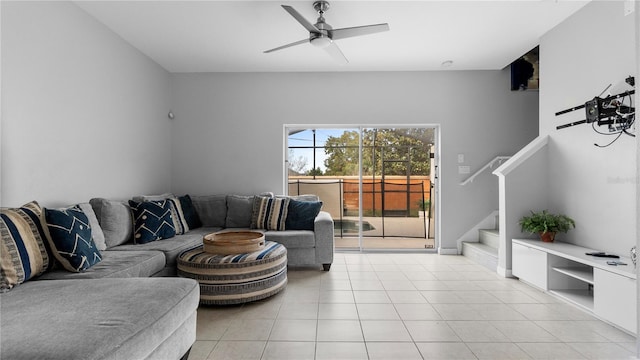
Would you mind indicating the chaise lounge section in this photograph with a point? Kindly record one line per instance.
(130, 318)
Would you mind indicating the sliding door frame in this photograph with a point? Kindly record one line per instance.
(360, 127)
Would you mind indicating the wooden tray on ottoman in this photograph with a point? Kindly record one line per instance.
(233, 242)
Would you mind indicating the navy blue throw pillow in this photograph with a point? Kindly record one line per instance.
(71, 241)
(151, 221)
(302, 214)
(189, 211)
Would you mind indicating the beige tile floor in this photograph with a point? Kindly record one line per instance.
(405, 306)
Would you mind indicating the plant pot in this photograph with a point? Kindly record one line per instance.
(547, 236)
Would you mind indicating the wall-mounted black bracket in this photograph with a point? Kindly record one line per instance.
(597, 112)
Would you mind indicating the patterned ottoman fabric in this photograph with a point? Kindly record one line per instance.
(235, 279)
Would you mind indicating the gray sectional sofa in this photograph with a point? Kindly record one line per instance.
(129, 305)
(304, 247)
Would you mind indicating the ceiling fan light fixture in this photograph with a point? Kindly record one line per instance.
(321, 41)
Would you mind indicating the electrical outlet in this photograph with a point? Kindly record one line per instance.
(460, 158)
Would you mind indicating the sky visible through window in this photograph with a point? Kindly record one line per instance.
(305, 138)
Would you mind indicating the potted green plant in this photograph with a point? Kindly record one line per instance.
(423, 206)
(546, 224)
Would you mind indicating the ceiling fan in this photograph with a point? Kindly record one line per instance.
(323, 35)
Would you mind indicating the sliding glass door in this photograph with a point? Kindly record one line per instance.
(375, 182)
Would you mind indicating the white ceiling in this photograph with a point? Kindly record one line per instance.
(230, 36)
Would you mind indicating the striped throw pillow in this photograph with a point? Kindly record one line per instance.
(23, 252)
(178, 216)
(269, 213)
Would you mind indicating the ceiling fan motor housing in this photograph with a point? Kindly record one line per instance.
(323, 38)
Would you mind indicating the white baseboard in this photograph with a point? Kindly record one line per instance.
(448, 251)
(504, 272)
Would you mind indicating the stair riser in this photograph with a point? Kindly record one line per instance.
(480, 257)
(489, 238)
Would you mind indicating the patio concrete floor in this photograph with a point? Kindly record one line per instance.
(399, 233)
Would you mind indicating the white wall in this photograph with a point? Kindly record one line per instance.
(84, 114)
(596, 187)
(228, 131)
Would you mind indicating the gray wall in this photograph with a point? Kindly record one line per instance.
(84, 114)
(228, 131)
(597, 187)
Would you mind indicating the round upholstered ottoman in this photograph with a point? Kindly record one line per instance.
(235, 279)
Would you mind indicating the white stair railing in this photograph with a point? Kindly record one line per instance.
(489, 165)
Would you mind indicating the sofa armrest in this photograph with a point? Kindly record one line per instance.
(323, 231)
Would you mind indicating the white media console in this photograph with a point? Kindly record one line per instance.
(562, 269)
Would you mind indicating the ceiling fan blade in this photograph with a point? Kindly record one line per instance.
(307, 25)
(288, 45)
(343, 33)
(336, 53)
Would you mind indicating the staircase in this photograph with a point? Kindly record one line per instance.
(485, 250)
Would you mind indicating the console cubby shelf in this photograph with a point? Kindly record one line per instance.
(577, 272)
(564, 270)
(582, 298)
(571, 281)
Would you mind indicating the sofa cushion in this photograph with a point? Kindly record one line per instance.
(302, 214)
(152, 221)
(212, 210)
(239, 210)
(190, 213)
(71, 240)
(115, 220)
(119, 318)
(116, 264)
(23, 250)
(292, 239)
(171, 247)
(96, 230)
(179, 342)
(269, 213)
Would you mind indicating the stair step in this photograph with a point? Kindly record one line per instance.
(484, 248)
(481, 253)
(489, 237)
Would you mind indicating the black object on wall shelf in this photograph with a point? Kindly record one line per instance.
(524, 71)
